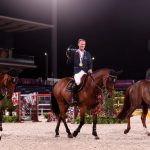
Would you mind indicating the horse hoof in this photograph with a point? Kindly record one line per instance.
(94, 133)
(57, 136)
(148, 134)
(0, 135)
(126, 131)
(70, 136)
(75, 134)
(97, 138)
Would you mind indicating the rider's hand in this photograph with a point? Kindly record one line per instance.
(67, 55)
(90, 71)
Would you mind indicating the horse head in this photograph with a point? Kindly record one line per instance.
(106, 79)
(8, 82)
(110, 79)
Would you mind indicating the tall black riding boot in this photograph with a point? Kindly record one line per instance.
(74, 95)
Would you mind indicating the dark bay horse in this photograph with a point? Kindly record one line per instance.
(7, 85)
(61, 98)
(136, 95)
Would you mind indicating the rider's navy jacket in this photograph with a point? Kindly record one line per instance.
(87, 62)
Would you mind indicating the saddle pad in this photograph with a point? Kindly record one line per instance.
(70, 85)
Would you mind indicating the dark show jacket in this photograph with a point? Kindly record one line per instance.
(87, 62)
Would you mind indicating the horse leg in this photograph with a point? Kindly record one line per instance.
(143, 118)
(63, 110)
(128, 126)
(57, 127)
(132, 109)
(67, 128)
(94, 132)
(82, 116)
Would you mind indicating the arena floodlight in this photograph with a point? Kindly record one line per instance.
(93, 58)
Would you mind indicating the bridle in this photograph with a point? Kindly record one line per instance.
(104, 86)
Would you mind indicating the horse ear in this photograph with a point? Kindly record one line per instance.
(119, 72)
(13, 72)
(115, 73)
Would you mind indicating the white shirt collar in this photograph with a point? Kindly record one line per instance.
(78, 50)
(81, 53)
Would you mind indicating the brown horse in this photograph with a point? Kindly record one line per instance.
(95, 83)
(137, 95)
(7, 85)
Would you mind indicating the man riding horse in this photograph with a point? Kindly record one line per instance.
(94, 83)
(82, 62)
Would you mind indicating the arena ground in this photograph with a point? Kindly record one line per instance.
(41, 136)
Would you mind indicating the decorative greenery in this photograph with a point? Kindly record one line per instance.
(108, 105)
(118, 100)
(9, 118)
(119, 93)
(8, 105)
(100, 120)
(45, 115)
(109, 120)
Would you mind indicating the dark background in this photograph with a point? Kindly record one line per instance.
(117, 33)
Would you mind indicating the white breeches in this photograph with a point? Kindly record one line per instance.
(78, 76)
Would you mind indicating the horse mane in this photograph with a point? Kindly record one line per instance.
(96, 71)
(104, 69)
(110, 71)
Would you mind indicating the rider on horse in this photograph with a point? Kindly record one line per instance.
(82, 62)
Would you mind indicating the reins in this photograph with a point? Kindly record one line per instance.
(95, 82)
(97, 85)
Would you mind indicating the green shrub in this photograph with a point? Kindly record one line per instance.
(45, 115)
(88, 119)
(100, 120)
(9, 118)
(76, 120)
(108, 105)
(8, 105)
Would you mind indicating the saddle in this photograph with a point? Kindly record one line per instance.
(71, 84)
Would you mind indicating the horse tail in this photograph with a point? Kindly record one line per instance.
(126, 106)
(54, 104)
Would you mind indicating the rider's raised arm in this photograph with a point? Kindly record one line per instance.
(69, 59)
